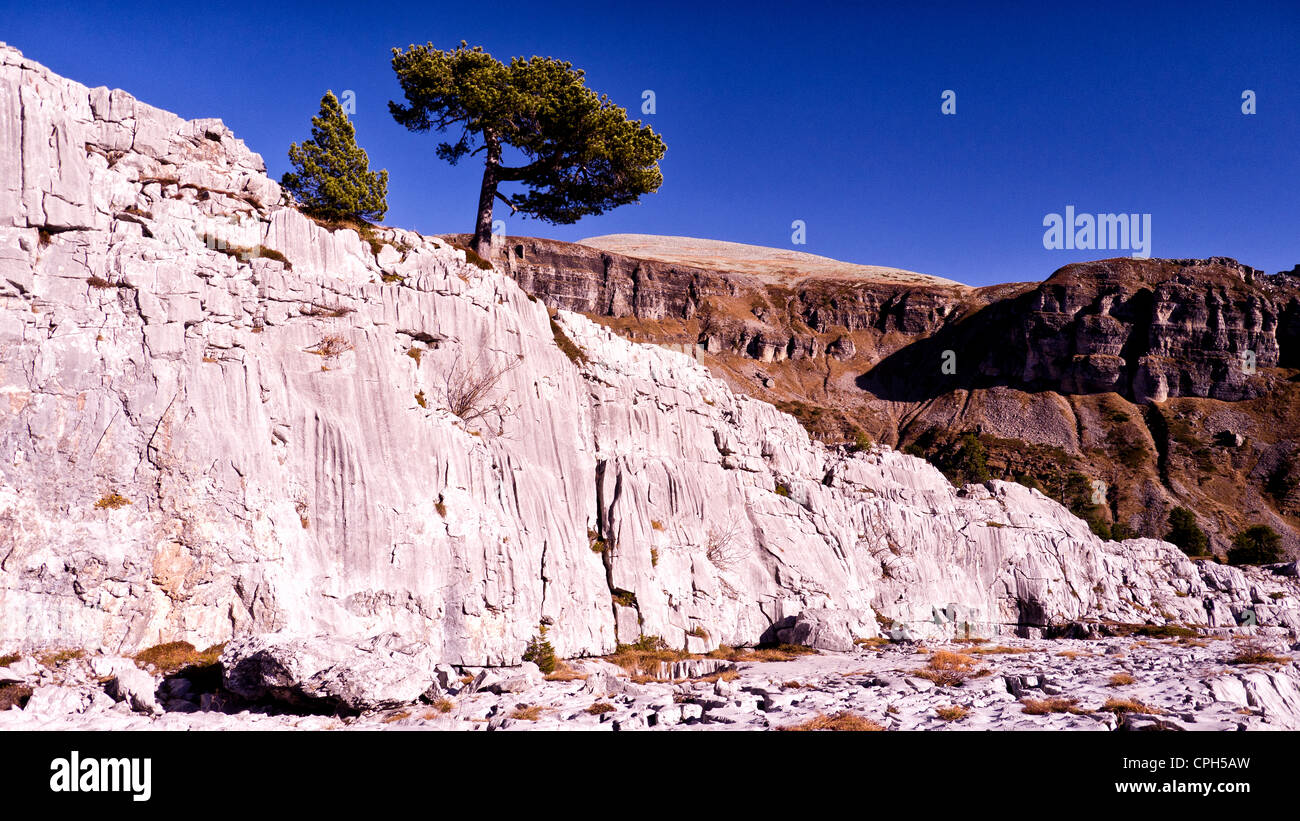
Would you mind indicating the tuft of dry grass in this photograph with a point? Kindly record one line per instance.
(644, 657)
(998, 651)
(444, 705)
(841, 722)
(564, 672)
(600, 708)
(164, 659)
(952, 713)
(775, 652)
(398, 716)
(112, 501)
(948, 669)
(55, 658)
(330, 346)
(1254, 651)
(527, 713)
(875, 643)
(567, 346)
(656, 525)
(1120, 680)
(1039, 707)
(1129, 705)
(948, 660)
(1073, 654)
(5, 661)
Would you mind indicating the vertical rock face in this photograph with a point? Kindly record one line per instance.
(218, 419)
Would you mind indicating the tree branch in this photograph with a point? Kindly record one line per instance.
(513, 208)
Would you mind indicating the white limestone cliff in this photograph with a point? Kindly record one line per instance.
(198, 444)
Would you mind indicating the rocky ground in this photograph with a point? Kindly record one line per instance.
(1166, 683)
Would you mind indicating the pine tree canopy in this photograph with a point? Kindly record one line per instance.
(332, 176)
(583, 155)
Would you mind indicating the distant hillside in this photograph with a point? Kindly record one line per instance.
(1131, 373)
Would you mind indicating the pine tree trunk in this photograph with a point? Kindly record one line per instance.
(482, 241)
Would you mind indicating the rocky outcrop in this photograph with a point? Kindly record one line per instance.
(221, 421)
(1172, 382)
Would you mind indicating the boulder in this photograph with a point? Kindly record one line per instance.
(135, 687)
(833, 630)
(515, 680)
(324, 672)
(56, 701)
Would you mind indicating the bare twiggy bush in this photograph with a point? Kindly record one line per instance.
(724, 547)
(331, 346)
(470, 390)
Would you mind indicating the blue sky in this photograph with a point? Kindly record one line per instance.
(783, 112)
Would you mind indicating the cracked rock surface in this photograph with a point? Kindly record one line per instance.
(1096, 685)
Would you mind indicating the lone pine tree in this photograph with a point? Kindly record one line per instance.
(583, 155)
(332, 176)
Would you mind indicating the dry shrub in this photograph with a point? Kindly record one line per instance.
(998, 651)
(948, 669)
(1039, 707)
(952, 713)
(164, 659)
(470, 390)
(1255, 651)
(1128, 705)
(1120, 680)
(842, 722)
(527, 713)
(331, 346)
(724, 547)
